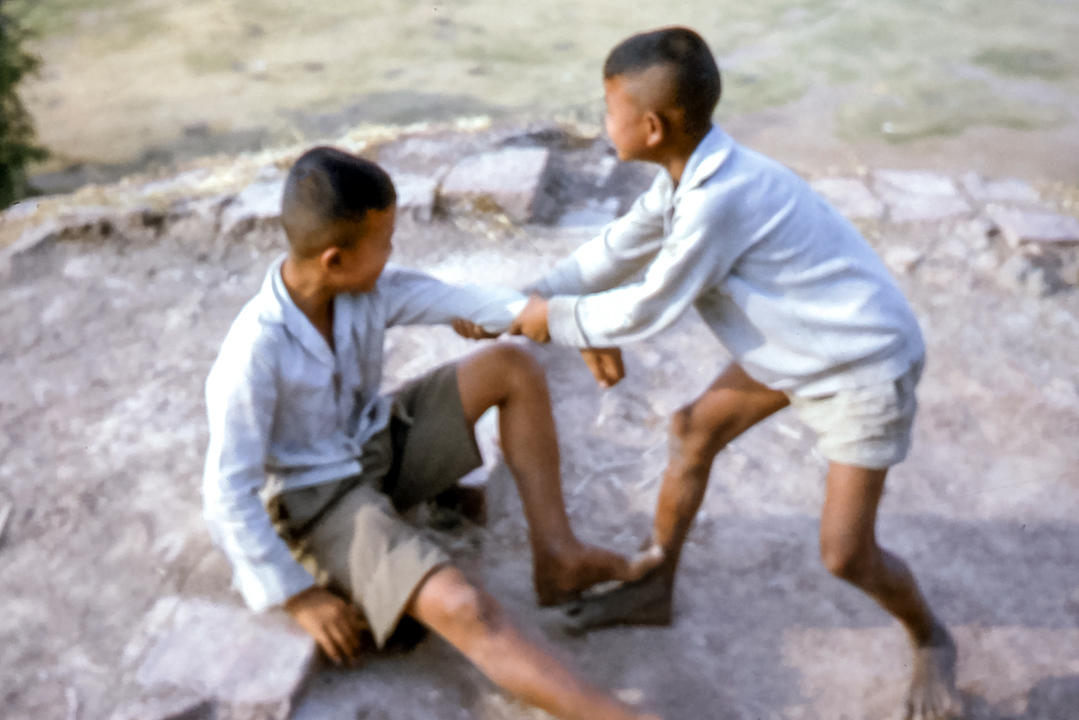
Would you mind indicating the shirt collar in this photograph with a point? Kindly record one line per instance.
(706, 159)
(279, 307)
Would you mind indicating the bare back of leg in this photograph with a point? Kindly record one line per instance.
(732, 404)
(850, 551)
(474, 623)
(508, 377)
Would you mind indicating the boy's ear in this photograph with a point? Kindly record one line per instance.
(330, 258)
(655, 129)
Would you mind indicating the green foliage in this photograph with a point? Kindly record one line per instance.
(17, 138)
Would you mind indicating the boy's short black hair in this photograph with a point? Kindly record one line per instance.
(697, 82)
(329, 185)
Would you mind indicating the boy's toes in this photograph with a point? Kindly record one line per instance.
(561, 579)
(933, 694)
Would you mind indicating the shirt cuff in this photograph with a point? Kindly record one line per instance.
(562, 322)
(265, 584)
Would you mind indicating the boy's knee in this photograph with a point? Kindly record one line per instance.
(846, 560)
(467, 610)
(692, 439)
(517, 363)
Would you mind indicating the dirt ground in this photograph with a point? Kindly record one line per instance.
(107, 345)
(987, 85)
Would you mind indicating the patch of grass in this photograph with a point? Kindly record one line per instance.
(214, 58)
(1023, 62)
(751, 89)
(940, 106)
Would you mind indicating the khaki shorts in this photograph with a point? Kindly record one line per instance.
(868, 427)
(360, 546)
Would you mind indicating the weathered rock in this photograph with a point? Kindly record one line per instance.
(918, 196)
(226, 653)
(513, 179)
(416, 195)
(429, 156)
(258, 205)
(851, 197)
(169, 705)
(1024, 227)
(590, 213)
(902, 259)
(1036, 276)
(987, 191)
(22, 209)
(32, 241)
(197, 217)
(179, 183)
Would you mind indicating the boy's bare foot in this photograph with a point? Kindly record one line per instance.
(561, 577)
(642, 602)
(932, 694)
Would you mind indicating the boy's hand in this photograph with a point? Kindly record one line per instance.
(605, 364)
(532, 322)
(335, 624)
(470, 330)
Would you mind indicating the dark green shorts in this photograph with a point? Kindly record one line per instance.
(360, 546)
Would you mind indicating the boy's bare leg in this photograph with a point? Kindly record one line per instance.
(473, 622)
(730, 406)
(508, 377)
(850, 551)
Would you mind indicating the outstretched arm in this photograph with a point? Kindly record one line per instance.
(413, 297)
(700, 250)
(604, 363)
(622, 249)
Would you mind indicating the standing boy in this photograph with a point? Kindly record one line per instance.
(791, 289)
(296, 419)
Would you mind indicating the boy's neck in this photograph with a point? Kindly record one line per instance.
(305, 287)
(678, 152)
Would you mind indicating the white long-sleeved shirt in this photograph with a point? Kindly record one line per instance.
(786, 283)
(286, 410)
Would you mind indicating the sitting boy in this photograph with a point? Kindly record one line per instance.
(296, 417)
(799, 298)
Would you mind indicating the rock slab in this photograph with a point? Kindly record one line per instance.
(1010, 190)
(416, 195)
(1021, 227)
(514, 179)
(918, 196)
(851, 197)
(227, 654)
(258, 203)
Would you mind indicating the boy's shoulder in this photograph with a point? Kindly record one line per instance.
(727, 170)
(253, 338)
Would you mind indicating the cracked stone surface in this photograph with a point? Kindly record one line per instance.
(108, 335)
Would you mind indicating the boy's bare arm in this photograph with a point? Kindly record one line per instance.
(470, 330)
(532, 321)
(335, 624)
(605, 364)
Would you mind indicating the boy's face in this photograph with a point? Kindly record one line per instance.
(627, 126)
(359, 265)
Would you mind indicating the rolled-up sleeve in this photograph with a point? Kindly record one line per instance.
(240, 399)
(415, 298)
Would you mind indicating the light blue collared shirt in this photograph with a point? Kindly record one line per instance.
(285, 408)
(783, 280)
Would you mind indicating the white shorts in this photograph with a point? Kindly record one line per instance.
(868, 427)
